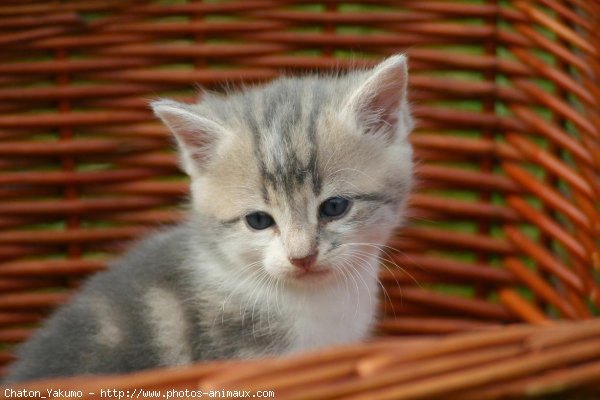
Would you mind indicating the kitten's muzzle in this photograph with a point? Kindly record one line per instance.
(305, 263)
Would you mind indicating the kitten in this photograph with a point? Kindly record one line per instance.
(295, 187)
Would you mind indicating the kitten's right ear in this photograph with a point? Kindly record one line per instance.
(195, 135)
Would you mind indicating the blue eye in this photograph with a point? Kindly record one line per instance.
(259, 220)
(334, 207)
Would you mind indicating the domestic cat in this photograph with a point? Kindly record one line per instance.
(295, 188)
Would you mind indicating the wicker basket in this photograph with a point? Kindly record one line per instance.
(505, 224)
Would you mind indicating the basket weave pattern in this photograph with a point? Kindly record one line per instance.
(504, 226)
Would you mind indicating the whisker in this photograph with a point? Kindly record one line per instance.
(389, 259)
(258, 288)
(384, 290)
(357, 290)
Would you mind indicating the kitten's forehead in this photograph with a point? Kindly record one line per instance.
(283, 120)
(292, 141)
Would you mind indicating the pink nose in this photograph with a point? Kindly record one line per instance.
(305, 263)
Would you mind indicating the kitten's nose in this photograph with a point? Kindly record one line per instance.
(305, 263)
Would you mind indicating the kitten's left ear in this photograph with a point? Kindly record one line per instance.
(380, 103)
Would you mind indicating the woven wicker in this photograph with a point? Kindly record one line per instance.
(504, 227)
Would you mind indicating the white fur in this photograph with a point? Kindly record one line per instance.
(343, 313)
(168, 326)
(109, 333)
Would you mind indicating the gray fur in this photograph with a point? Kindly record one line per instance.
(212, 288)
(68, 343)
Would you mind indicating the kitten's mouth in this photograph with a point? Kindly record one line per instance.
(312, 274)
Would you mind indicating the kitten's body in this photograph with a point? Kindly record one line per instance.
(168, 317)
(214, 287)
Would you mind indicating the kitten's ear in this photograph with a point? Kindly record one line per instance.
(195, 135)
(380, 103)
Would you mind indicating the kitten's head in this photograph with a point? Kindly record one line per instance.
(305, 177)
